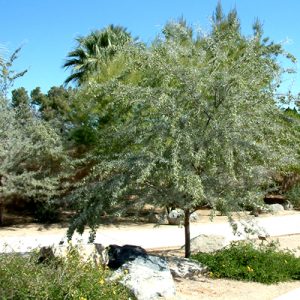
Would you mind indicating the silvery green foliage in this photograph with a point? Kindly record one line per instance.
(192, 121)
(31, 157)
(7, 75)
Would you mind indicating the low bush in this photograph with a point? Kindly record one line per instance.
(22, 278)
(247, 261)
(47, 212)
(293, 195)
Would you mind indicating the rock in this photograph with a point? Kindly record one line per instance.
(258, 210)
(254, 213)
(102, 256)
(158, 218)
(45, 255)
(175, 217)
(112, 256)
(207, 243)
(194, 217)
(118, 255)
(88, 252)
(95, 252)
(287, 205)
(185, 268)
(149, 278)
(275, 207)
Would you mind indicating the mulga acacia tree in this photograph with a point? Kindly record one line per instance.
(193, 121)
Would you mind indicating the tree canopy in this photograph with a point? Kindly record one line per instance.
(193, 121)
(32, 154)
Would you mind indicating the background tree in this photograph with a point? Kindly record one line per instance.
(195, 121)
(55, 103)
(32, 156)
(94, 51)
(287, 179)
(31, 159)
(54, 107)
(20, 98)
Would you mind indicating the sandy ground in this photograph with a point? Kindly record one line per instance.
(222, 289)
(202, 288)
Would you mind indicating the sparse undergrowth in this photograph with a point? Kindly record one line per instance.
(22, 278)
(247, 261)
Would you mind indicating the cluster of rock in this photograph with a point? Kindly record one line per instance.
(174, 217)
(148, 276)
(272, 208)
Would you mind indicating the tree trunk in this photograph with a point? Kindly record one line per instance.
(187, 233)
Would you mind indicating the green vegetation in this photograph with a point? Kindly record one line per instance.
(191, 120)
(32, 158)
(70, 278)
(249, 262)
(293, 195)
(188, 120)
(7, 75)
(94, 51)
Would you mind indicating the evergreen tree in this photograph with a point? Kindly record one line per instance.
(20, 98)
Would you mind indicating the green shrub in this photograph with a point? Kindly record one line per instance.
(249, 262)
(22, 278)
(47, 212)
(293, 195)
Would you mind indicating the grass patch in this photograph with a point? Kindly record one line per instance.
(247, 261)
(68, 278)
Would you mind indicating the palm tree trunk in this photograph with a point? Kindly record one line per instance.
(187, 233)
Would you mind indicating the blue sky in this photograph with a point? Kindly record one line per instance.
(46, 29)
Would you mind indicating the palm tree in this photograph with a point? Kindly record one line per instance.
(93, 50)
